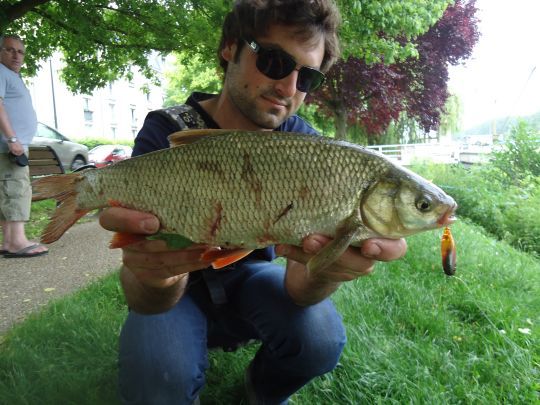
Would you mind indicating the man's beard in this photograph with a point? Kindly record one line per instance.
(269, 118)
(245, 101)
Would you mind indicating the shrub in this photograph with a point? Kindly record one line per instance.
(93, 142)
(520, 156)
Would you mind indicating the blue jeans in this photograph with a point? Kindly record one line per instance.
(163, 357)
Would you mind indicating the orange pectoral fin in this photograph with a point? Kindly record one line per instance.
(448, 252)
(222, 258)
(123, 239)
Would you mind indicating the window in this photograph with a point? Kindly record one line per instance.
(119, 152)
(87, 111)
(133, 115)
(112, 109)
(46, 132)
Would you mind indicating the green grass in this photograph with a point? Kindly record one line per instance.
(415, 336)
(39, 218)
(67, 352)
(422, 337)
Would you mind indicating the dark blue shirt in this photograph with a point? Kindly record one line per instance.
(157, 126)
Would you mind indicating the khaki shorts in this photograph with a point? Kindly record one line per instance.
(15, 191)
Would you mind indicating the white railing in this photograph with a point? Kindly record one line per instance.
(405, 154)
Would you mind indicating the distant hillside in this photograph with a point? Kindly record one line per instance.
(503, 125)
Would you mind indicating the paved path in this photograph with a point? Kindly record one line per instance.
(80, 256)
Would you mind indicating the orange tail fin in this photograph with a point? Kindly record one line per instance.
(62, 188)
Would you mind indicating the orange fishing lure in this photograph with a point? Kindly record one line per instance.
(448, 252)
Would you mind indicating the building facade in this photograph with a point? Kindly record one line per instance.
(114, 113)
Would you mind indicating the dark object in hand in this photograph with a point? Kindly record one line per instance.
(20, 160)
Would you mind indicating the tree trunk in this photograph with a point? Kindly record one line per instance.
(12, 12)
(340, 115)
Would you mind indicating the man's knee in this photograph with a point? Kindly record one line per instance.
(158, 381)
(322, 347)
(316, 339)
(161, 359)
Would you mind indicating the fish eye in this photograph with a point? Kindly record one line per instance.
(423, 204)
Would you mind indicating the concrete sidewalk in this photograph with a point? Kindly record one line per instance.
(80, 256)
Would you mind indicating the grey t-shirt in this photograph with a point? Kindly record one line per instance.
(19, 108)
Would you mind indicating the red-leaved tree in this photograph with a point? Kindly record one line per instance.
(373, 95)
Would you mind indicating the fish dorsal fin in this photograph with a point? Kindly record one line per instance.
(194, 135)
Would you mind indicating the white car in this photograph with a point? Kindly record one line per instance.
(72, 155)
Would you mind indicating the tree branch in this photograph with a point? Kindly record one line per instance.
(19, 9)
(74, 31)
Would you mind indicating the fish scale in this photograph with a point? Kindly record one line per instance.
(253, 189)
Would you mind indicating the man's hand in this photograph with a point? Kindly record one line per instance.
(306, 289)
(152, 262)
(16, 148)
(153, 276)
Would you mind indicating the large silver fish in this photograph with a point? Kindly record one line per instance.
(246, 190)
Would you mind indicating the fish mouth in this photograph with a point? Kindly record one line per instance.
(448, 217)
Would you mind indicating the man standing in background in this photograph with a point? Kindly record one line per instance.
(18, 125)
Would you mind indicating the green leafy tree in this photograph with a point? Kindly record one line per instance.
(373, 95)
(403, 130)
(451, 118)
(407, 130)
(384, 30)
(101, 41)
(520, 156)
(322, 124)
(188, 74)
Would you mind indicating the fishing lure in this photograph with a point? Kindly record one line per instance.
(448, 252)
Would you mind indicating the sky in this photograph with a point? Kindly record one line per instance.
(502, 78)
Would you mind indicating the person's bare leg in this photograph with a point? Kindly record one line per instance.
(15, 238)
(5, 235)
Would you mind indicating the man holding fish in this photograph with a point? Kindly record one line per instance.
(273, 53)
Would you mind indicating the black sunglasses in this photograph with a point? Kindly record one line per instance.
(277, 64)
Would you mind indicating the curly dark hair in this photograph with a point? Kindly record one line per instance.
(251, 18)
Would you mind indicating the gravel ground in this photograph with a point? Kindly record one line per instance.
(80, 256)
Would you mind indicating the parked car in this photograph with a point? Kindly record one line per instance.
(72, 155)
(104, 155)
